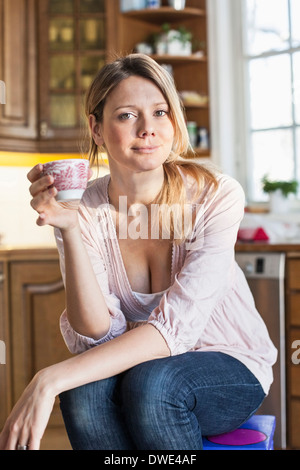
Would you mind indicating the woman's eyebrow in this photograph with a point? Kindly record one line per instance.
(134, 106)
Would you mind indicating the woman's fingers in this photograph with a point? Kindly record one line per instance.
(35, 173)
(43, 199)
(41, 185)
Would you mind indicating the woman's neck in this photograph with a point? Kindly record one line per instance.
(138, 188)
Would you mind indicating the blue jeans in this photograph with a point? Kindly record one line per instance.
(164, 404)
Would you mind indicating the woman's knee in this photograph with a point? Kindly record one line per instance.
(152, 384)
(81, 405)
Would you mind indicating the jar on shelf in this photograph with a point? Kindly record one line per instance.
(203, 138)
(127, 5)
(153, 3)
(192, 131)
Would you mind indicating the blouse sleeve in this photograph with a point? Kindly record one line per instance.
(75, 342)
(207, 273)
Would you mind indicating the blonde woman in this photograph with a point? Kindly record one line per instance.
(167, 343)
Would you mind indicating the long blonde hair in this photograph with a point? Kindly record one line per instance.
(173, 191)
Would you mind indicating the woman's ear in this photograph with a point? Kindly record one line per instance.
(95, 128)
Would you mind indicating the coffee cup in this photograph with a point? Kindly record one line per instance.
(70, 177)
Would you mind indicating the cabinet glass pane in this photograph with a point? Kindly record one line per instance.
(61, 6)
(61, 34)
(89, 67)
(272, 155)
(296, 63)
(92, 6)
(63, 110)
(267, 26)
(62, 72)
(92, 34)
(270, 91)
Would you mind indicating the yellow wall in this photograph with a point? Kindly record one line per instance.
(31, 159)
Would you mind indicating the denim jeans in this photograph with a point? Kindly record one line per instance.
(164, 404)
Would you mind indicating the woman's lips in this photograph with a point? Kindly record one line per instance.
(147, 149)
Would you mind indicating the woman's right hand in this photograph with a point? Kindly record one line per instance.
(60, 215)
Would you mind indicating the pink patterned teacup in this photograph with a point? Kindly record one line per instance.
(70, 177)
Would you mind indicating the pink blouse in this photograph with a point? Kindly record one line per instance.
(208, 306)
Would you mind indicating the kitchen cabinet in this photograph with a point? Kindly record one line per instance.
(292, 330)
(5, 390)
(18, 69)
(47, 67)
(293, 354)
(190, 71)
(35, 300)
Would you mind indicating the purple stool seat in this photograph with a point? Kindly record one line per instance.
(256, 434)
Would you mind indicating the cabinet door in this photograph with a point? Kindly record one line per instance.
(37, 300)
(5, 362)
(73, 48)
(18, 118)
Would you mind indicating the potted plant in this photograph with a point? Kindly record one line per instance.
(179, 41)
(278, 192)
(173, 41)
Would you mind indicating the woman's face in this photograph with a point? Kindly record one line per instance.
(136, 128)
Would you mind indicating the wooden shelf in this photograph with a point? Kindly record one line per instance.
(190, 72)
(164, 14)
(195, 106)
(178, 58)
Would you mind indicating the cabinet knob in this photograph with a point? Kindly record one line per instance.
(2, 278)
(43, 129)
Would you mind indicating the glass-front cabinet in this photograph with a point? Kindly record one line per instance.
(74, 44)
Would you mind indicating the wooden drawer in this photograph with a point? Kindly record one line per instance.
(293, 274)
(294, 427)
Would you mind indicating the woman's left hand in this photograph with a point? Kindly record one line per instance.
(28, 420)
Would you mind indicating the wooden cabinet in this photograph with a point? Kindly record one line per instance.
(35, 300)
(293, 354)
(292, 329)
(47, 67)
(190, 71)
(5, 386)
(18, 69)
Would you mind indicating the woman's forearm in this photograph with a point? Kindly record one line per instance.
(106, 360)
(86, 308)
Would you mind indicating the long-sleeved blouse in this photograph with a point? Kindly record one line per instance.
(208, 306)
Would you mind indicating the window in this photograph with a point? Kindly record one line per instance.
(271, 55)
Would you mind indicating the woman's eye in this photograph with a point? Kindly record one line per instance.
(161, 112)
(125, 116)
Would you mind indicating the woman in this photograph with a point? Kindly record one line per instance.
(170, 344)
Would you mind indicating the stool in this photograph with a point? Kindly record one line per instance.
(255, 434)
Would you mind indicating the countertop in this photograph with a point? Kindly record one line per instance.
(284, 245)
(12, 252)
(50, 252)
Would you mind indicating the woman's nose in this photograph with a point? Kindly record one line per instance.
(146, 128)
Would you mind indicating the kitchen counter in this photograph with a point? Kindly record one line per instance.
(286, 246)
(11, 252)
(34, 252)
